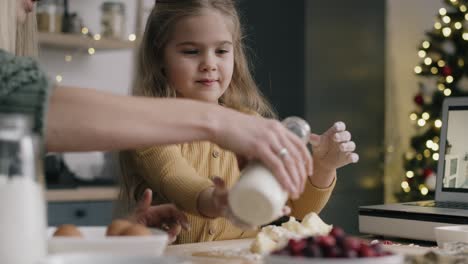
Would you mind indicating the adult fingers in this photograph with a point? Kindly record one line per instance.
(272, 161)
(294, 163)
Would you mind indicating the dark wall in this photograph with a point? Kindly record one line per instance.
(275, 35)
(324, 60)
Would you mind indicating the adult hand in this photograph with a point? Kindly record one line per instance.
(334, 148)
(165, 216)
(270, 142)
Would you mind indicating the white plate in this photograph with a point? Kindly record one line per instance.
(393, 259)
(94, 240)
(108, 259)
(448, 234)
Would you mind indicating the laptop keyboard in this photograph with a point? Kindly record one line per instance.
(451, 205)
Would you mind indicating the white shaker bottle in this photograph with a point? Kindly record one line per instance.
(22, 204)
(257, 198)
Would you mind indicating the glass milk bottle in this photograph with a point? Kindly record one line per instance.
(22, 204)
(257, 198)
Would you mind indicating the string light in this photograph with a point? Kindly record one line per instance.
(132, 37)
(447, 92)
(427, 61)
(446, 19)
(422, 53)
(465, 36)
(413, 116)
(435, 156)
(437, 25)
(435, 147)
(68, 58)
(426, 44)
(434, 70)
(409, 174)
(446, 31)
(436, 139)
(441, 63)
(84, 30)
(429, 143)
(441, 86)
(449, 79)
(421, 122)
(461, 62)
(97, 37)
(427, 153)
(417, 69)
(458, 25)
(91, 51)
(409, 155)
(438, 123)
(404, 184)
(425, 116)
(442, 11)
(466, 16)
(58, 78)
(424, 191)
(419, 156)
(463, 8)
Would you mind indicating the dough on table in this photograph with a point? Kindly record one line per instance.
(273, 237)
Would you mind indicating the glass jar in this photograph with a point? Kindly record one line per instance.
(49, 16)
(23, 222)
(113, 20)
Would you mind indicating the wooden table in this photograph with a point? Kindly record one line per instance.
(199, 253)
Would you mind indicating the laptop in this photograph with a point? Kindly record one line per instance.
(416, 220)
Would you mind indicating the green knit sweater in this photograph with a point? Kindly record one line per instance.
(24, 88)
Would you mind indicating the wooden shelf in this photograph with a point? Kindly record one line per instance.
(76, 41)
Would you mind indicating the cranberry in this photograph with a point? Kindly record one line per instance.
(337, 232)
(326, 241)
(350, 253)
(313, 250)
(333, 252)
(296, 246)
(366, 251)
(387, 242)
(352, 243)
(378, 249)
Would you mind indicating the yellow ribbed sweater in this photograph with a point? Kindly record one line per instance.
(179, 173)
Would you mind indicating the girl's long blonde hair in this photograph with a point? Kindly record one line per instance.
(242, 93)
(17, 38)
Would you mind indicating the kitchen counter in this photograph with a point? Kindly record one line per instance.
(82, 194)
(210, 252)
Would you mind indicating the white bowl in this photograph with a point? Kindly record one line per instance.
(447, 234)
(391, 259)
(94, 240)
(81, 258)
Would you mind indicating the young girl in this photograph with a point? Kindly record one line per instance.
(193, 49)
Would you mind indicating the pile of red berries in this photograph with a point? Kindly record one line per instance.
(335, 245)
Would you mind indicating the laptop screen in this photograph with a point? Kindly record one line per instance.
(455, 163)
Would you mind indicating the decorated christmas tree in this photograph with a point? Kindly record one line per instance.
(443, 72)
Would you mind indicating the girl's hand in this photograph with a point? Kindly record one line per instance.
(264, 139)
(221, 204)
(334, 148)
(166, 216)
